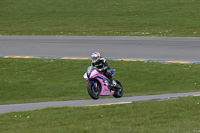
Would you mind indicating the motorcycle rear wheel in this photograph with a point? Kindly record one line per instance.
(118, 92)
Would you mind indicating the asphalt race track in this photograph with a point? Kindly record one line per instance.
(149, 48)
(153, 48)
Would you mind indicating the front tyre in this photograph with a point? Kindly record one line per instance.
(93, 91)
(119, 91)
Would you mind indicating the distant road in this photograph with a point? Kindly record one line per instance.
(155, 48)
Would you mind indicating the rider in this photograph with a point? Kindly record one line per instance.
(100, 63)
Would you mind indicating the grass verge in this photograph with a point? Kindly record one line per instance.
(172, 116)
(41, 80)
(104, 18)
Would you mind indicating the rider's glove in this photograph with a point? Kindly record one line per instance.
(101, 70)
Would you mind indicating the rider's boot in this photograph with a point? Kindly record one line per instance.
(113, 83)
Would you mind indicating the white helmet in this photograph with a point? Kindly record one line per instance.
(95, 57)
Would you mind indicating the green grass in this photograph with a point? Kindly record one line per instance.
(172, 116)
(100, 17)
(41, 80)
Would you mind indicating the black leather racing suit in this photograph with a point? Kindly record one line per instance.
(104, 67)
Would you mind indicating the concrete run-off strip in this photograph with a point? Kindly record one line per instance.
(90, 102)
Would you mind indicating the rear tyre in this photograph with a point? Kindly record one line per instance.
(119, 91)
(93, 91)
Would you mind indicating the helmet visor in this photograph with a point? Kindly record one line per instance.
(94, 58)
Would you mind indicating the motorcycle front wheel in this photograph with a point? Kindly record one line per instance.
(93, 91)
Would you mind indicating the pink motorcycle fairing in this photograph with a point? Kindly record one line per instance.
(92, 73)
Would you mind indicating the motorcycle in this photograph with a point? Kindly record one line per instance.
(98, 84)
